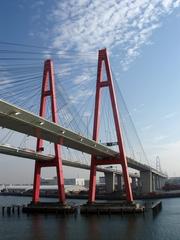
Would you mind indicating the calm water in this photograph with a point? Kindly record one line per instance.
(164, 226)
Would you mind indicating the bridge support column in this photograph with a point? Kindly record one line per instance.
(162, 182)
(48, 90)
(110, 182)
(146, 181)
(121, 159)
(119, 182)
(134, 183)
(157, 182)
(154, 182)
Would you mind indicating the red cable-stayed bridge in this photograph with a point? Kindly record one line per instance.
(17, 119)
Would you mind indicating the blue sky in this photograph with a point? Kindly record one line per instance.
(142, 38)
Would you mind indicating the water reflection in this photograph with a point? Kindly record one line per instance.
(93, 228)
(37, 228)
(128, 227)
(48, 227)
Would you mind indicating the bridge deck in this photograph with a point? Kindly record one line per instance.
(27, 153)
(28, 123)
(30, 154)
(22, 121)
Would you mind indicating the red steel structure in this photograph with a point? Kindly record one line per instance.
(121, 158)
(48, 90)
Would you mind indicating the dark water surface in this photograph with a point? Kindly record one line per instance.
(163, 226)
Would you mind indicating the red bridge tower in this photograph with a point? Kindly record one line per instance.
(48, 90)
(121, 159)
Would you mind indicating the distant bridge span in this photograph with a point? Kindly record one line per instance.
(29, 154)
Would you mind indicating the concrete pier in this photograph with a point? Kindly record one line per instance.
(150, 182)
(112, 208)
(146, 181)
(134, 183)
(110, 182)
(119, 181)
(49, 207)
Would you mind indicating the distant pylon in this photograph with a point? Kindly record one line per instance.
(158, 164)
(121, 158)
(48, 90)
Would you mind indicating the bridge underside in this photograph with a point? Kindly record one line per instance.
(22, 121)
(149, 180)
(30, 154)
(23, 153)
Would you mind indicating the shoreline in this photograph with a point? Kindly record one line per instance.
(113, 196)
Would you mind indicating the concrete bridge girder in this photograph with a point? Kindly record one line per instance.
(151, 182)
(110, 182)
(114, 181)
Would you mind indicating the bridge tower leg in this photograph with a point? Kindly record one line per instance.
(48, 90)
(121, 159)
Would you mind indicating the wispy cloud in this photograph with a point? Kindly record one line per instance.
(147, 127)
(37, 4)
(160, 138)
(85, 77)
(89, 25)
(170, 115)
(80, 96)
(138, 108)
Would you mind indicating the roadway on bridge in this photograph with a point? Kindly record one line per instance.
(17, 119)
(30, 154)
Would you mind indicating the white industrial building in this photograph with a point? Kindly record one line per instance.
(74, 181)
(67, 181)
(48, 184)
